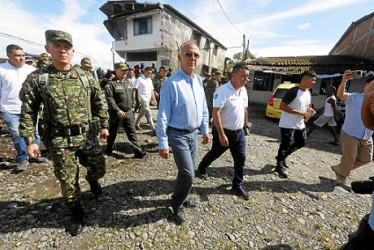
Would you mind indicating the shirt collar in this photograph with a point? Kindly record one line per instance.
(184, 74)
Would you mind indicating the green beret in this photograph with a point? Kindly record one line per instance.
(52, 36)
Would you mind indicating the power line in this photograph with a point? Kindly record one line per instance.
(228, 17)
(19, 38)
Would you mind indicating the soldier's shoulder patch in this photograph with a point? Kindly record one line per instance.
(215, 96)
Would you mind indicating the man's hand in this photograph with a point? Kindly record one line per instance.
(246, 131)
(164, 153)
(369, 95)
(223, 140)
(347, 75)
(121, 114)
(309, 112)
(33, 151)
(104, 133)
(206, 139)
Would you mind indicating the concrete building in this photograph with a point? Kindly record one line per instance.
(147, 33)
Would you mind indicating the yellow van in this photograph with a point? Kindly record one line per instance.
(273, 107)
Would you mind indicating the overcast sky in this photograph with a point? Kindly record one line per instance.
(273, 27)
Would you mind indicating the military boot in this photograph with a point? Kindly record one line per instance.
(95, 187)
(76, 225)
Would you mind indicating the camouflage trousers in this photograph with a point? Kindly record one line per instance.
(66, 167)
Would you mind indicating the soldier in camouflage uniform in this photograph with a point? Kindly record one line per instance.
(73, 103)
(208, 76)
(118, 93)
(211, 86)
(43, 61)
(158, 81)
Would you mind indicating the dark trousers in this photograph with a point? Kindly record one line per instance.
(237, 143)
(286, 146)
(128, 124)
(363, 238)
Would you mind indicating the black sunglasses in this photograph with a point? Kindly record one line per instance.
(190, 54)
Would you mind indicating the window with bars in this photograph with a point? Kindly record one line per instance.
(143, 26)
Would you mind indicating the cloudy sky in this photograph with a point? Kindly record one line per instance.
(273, 27)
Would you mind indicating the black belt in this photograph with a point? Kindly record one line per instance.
(70, 131)
(183, 130)
(233, 131)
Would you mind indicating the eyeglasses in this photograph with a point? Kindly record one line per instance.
(190, 54)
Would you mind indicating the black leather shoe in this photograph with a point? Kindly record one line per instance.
(140, 155)
(95, 187)
(239, 191)
(281, 171)
(281, 162)
(190, 203)
(179, 214)
(76, 225)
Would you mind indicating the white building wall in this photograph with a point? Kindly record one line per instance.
(145, 42)
(168, 34)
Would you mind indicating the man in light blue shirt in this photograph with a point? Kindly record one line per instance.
(356, 141)
(182, 111)
(363, 237)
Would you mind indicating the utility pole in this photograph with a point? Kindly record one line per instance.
(243, 48)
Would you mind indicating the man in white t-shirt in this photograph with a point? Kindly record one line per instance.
(230, 116)
(12, 75)
(144, 85)
(328, 117)
(295, 108)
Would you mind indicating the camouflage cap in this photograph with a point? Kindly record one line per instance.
(163, 67)
(58, 35)
(44, 56)
(121, 66)
(217, 73)
(86, 61)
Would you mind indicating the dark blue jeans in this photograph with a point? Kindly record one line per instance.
(184, 146)
(237, 143)
(12, 122)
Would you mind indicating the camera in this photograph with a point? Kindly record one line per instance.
(363, 187)
(357, 74)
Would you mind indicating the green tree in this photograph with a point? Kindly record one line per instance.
(237, 58)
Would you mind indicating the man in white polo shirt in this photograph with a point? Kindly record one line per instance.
(144, 85)
(12, 74)
(230, 116)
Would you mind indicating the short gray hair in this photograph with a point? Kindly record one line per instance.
(193, 41)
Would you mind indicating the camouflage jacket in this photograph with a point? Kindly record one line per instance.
(158, 81)
(211, 86)
(67, 101)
